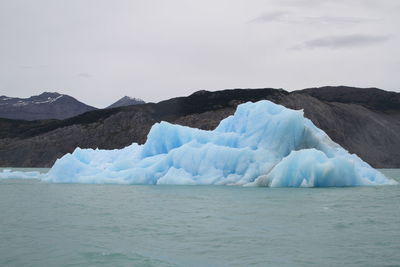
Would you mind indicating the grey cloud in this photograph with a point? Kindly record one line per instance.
(26, 67)
(335, 20)
(302, 3)
(344, 41)
(320, 3)
(288, 17)
(271, 17)
(32, 67)
(85, 75)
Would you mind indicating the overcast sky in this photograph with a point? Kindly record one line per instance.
(99, 51)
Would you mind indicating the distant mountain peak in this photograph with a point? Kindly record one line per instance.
(44, 98)
(131, 98)
(50, 94)
(126, 101)
(47, 105)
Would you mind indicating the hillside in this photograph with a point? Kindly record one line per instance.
(364, 121)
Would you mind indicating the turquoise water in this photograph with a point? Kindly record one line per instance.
(45, 224)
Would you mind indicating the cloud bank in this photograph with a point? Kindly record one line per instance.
(344, 41)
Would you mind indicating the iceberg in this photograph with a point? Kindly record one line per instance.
(10, 174)
(262, 144)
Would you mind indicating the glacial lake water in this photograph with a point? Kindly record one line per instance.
(43, 224)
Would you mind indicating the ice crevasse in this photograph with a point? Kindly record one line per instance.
(262, 144)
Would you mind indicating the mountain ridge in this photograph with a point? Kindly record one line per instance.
(360, 126)
(47, 105)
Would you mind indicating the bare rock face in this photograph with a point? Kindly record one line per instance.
(42, 107)
(363, 124)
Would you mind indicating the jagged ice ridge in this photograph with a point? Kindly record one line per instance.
(262, 144)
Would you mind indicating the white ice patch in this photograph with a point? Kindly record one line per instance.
(8, 174)
(49, 100)
(262, 144)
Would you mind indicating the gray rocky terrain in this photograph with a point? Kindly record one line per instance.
(364, 121)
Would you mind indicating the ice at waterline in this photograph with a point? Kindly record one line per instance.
(262, 144)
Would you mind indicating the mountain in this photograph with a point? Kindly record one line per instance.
(42, 107)
(372, 98)
(363, 121)
(126, 101)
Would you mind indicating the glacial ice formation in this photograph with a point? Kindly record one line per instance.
(262, 144)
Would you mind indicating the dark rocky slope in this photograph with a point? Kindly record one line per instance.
(366, 125)
(41, 107)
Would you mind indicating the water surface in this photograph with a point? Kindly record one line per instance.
(44, 224)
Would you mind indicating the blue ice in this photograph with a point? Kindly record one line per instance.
(262, 144)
